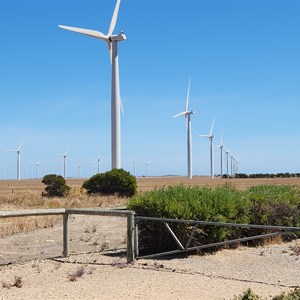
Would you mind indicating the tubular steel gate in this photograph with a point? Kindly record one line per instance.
(281, 230)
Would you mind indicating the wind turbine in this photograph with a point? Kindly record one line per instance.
(79, 171)
(210, 136)
(37, 169)
(187, 115)
(98, 163)
(18, 160)
(231, 164)
(134, 169)
(112, 43)
(65, 161)
(147, 169)
(227, 154)
(221, 146)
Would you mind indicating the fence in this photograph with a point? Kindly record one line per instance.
(281, 230)
(80, 211)
(132, 229)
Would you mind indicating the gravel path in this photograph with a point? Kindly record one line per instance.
(35, 257)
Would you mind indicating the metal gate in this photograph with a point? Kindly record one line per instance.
(280, 230)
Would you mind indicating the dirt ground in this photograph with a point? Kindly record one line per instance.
(32, 266)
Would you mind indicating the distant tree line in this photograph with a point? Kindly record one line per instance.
(264, 175)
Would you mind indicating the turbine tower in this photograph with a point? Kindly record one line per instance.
(210, 136)
(18, 160)
(112, 43)
(65, 162)
(187, 115)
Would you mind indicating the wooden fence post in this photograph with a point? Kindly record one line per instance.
(66, 234)
(130, 238)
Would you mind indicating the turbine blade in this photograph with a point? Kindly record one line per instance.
(121, 105)
(114, 19)
(20, 145)
(187, 96)
(180, 114)
(89, 32)
(212, 126)
(66, 152)
(10, 150)
(204, 135)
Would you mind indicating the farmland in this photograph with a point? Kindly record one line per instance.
(23, 187)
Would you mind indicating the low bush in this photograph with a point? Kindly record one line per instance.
(265, 205)
(55, 186)
(249, 295)
(115, 182)
(223, 204)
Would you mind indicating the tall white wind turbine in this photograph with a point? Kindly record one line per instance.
(65, 161)
(210, 136)
(18, 160)
(112, 43)
(187, 113)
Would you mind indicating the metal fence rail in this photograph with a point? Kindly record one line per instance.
(80, 211)
(281, 230)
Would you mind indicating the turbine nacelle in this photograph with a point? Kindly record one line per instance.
(118, 37)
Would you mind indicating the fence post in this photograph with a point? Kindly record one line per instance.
(130, 238)
(66, 234)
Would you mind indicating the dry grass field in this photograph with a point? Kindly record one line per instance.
(23, 187)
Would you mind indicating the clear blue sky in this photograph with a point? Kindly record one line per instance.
(243, 58)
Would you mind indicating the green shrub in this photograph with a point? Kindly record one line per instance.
(249, 295)
(223, 204)
(265, 205)
(55, 186)
(277, 205)
(116, 181)
(292, 295)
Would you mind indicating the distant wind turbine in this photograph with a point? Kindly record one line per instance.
(37, 169)
(187, 115)
(98, 163)
(134, 169)
(112, 43)
(231, 164)
(147, 169)
(65, 161)
(18, 159)
(210, 136)
(79, 171)
(227, 154)
(221, 146)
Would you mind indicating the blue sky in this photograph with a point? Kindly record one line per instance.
(242, 57)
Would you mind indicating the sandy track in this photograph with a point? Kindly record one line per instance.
(266, 270)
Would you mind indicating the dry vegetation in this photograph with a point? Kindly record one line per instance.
(27, 194)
